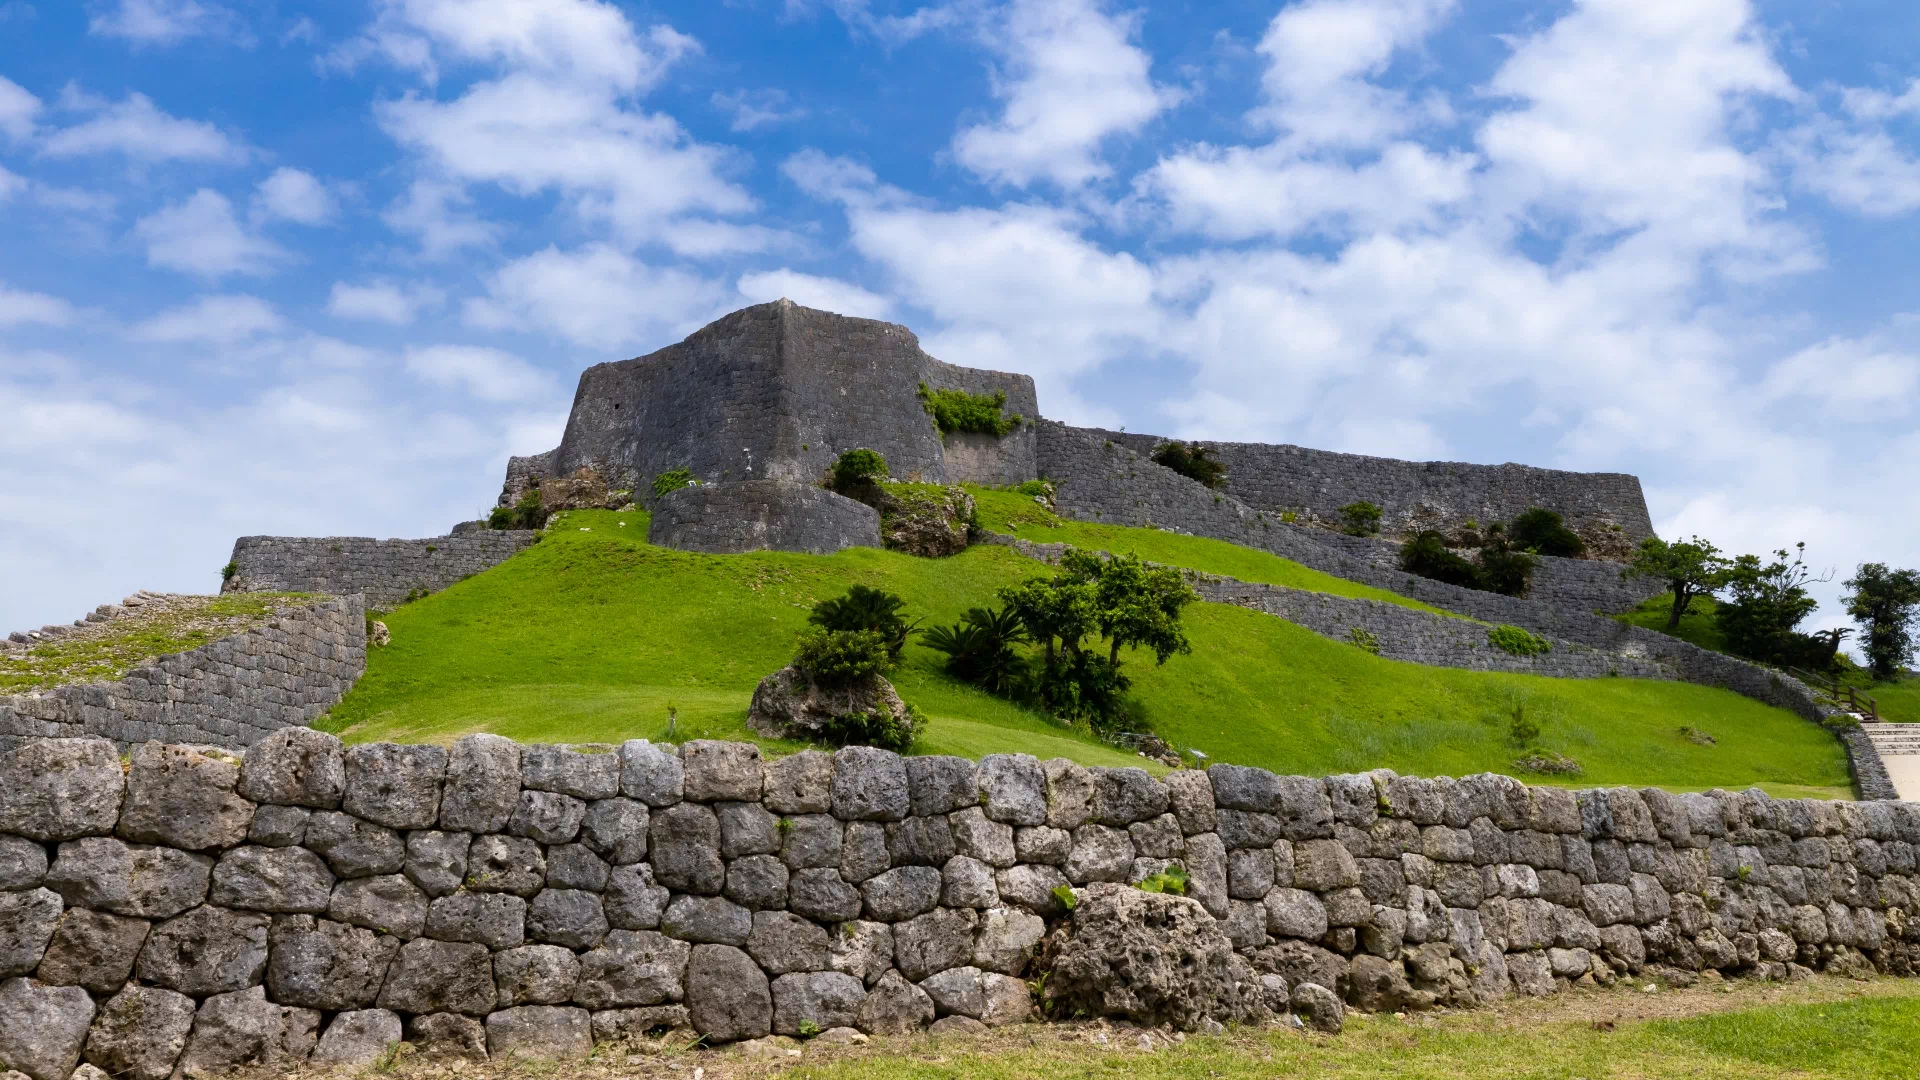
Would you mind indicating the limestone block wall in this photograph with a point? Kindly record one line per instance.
(1589, 585)
(1416, 494)
(316, 902)
(728, 519)
(230, 692)
(386, 572)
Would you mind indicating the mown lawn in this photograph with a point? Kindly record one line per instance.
(593, 635)
(1696, 626)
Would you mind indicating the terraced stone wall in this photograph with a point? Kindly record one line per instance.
(386, 572)
(181, 913)
(230, 692)
(756, 515)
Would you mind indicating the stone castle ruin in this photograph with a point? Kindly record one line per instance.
(758, 404)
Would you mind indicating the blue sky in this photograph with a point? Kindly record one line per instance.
(318, 269)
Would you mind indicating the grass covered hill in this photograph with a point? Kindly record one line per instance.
(595, 635)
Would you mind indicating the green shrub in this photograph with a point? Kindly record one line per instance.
(1364, 639)
(1543, 532)
(1360, 519)
(672, 480)
(1515, 640)
(957, 410)
(1505, 571)
(837, 658)
(854, 466)
(1065, 895)
(980, 650)
(525, 514)
(227, 571)
(875, 727)
(1039, 488)
(1191, 461)
(1522, 729)
(864, 608)
(1171, 880)
(1426, 554)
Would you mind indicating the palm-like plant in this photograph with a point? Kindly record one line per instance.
(866, 608)
(980, 649)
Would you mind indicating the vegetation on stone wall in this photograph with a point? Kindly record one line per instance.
(1543, 532)
(1191, 460)
(104, 651)
(957, 410)
(525, 514)
(1518, 641)
(1360, 518)
(855, 467)
(672, 480)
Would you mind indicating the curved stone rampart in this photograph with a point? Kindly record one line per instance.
(386, 572)
(758, 515)
(495, 898)
(230, 692)
(1590, 585)
(1416, 494)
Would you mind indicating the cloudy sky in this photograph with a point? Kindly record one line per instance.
(270, 266)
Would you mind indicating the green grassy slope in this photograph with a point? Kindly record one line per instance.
(1018, 515)
(591, 635)
(1696, 626)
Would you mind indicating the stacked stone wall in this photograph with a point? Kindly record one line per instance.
(386, 572)
(1416, 494)
(180, 913)
(1589, 585)
(757, 515)
(230, 692)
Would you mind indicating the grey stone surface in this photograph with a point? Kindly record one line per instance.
(448, 1036)
(627, 1025)
(278, 826)
(800, 783)
(721, 771)
(894, 1006)
(811, 841)
(27, 923)
(1007, 940)
(758, 882)
(539, 1032)
(1153, 958)
(510, 864)
(901, 893)
(243, 1028)
(23, 863)
(295, 766)
(616, 830)
(358, 1038)
(183, 798)
(91, 949)
(812, 1002)
(1100, 853)
(979, 837)
(1190, 797)
(283, 880)
(1069, 793)
(651, 773)
(746, 828)
(61, 789)
(728, 997)
(42, 1028)
(139, 1033)
(482, 789)
(934, 942)
(633, 901)
(321, 964)
(355, 848)
(547, 817)
(390, 904)
(968, 883)
(436, 861)
(756, 515)
(574, 866)
(207, 950)
(584, 774)
(633, 967)
(386, 572)
(823, 896)
(494, 919)
(781, 943)
(429, 976)
(1124, 796)
(685, 846)
(941, 784)
(395, 785)
(922, 841)
(869, 785)
(707, 919)
(535, 975)
(863, 851)
(1013, 789)
(1042, 844)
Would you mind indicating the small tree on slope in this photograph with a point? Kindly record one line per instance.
(1885, 603)
(1691, 568)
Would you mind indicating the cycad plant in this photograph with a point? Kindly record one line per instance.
(980, 649)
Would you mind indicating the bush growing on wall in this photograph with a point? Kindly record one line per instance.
(1360, 519)
(839, 658)
(957, 410)
(672, 480)
(525, 514)
(1191, 461)
(1426, 554)
(1543, 532)
(875, 727)
(1504, 567)
(857, 466)
(1517, 641)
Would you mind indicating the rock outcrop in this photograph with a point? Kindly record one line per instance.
(788, 705)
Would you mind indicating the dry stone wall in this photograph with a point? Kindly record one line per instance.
(1588, 585)
(1416, 494)
(180, 912)
(386, 572)
(756, 515)
(230, 692)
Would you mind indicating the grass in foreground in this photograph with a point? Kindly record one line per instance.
(102, 652)
(1014, 514)
(592, 635)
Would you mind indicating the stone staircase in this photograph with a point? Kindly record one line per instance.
(1899, 748)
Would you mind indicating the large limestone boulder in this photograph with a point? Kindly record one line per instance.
(921, 519)
(788, 705)
(61, 789)
(42, 1028)
(1150, 958)
(183, 798)
(140, 1032)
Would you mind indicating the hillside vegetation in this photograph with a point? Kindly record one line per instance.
(593, 635)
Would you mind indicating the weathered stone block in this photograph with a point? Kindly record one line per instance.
(573, 866)
(278, 826)
(566, 771)
(721, 771)
(1124, 796)
(61, 789)
(321, 964)
(539, 1032)
(295, 766)
(357, 1039)
(27, 922)
(498, 920)
(207, 950)
(535, 975)
(355, 848)
(140, 1032)
(436, 861)
(708, 920)
(616, 830)
(389, 903)
(547, 817)
(1069, 793)
(812, 1002)
(483, 784)
(633, 967)
(91, 949)
(1190, 796)
(182, 798)
(967, 883)
(42, 1028)
(393, 785)
(869, 785)
(510, 864)
(781, 943)
(728, 996)
(633, 901)
(685, 843)
(285, 880)
(940, 785)
(1100, 853)
(1013, 789)
(650, 773)
(800, 783)
(431, 976)
(936, 941)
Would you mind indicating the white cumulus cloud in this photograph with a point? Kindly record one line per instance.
(216, 320)
(289, 194)
(202, 236)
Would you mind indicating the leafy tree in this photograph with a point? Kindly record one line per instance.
(1691, 568)
(1764, 604)
(1886, 604)
(1426, 554)
(1543, 532)
(869, 609)
(1361, 518)
(1120, 602)
(1191, 461)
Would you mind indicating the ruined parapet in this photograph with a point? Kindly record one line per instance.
(758, 515)
(386, 572)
